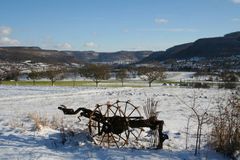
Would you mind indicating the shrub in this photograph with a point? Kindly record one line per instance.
(226, 131)
(200, 85)
(41, 121)
(228, 85)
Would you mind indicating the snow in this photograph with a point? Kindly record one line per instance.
(179, 76)
(19, 139)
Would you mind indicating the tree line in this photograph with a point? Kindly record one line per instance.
(96, 72)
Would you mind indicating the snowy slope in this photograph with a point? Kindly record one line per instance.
(19, 139)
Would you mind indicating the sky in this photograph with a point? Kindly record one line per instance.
(113, 25)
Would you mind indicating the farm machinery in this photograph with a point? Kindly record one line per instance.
(121, 124)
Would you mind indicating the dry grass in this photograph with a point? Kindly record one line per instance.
(150, 108)
(150, 111)
(41, 121)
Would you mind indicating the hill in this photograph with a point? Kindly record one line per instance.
(120, 57)
(35, 54)
(206, 48)
(226, 46)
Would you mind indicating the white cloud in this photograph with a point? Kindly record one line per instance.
(64, 46)
(5, 31)
(49, 42)
(6, 41)
(236, 1)
(90, 45)
(160, 21)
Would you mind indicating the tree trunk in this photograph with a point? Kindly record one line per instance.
(150, 84)
(196, 145)
(199, 137)
(52, 82)
(97, 83)
(187, 133)
(122, 83)
(34, 82)
(74, 83)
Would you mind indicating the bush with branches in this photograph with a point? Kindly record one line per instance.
(226, 127)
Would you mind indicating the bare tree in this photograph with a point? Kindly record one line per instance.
(54, 74)
(3, 76)
(202, 118)
(151, 74)
(13, 74)
(34, 75)
(75, 74)
(122, 75)
(200, 114)
(95, 72)
(187, 132)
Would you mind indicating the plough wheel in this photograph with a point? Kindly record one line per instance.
(115, 131)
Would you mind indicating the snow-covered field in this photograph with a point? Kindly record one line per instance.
(178, 76)
(19, 139)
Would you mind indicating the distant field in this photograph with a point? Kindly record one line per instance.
(109, 83)
(113, 83)
(48, 83)
(172, 78)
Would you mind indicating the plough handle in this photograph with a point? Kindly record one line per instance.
(69, 111)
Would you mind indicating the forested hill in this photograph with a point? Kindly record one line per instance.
(225, 46)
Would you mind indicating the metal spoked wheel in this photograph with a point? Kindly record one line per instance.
(113, 128)
(131, 111)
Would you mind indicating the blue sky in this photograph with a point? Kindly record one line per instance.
(112, 25)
